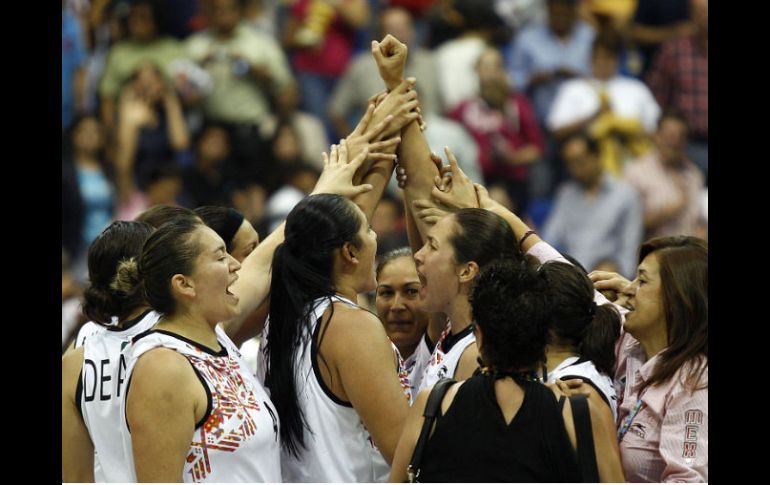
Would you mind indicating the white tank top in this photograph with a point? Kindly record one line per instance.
(443, 363)
(414, 366)
(586, 370)
(89, 329)
(100, 388)
(339, 448)
(238, 438)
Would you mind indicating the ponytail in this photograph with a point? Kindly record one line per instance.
(302, 273)
(599, 337)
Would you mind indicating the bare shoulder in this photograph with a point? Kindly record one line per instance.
(353, 321)
(163, 366)
(468, 362)
(71, 365)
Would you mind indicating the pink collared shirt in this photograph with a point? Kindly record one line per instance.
(668, 439)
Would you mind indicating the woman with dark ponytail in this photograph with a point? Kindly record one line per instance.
(331, 370)
(582, 334)
(118, 311)
(503, 424)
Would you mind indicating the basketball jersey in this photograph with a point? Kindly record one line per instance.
(100, 388)
(445, 357)
(338, 448)
(577, 367)
(89, 329)
(237, 440)
(414, 366)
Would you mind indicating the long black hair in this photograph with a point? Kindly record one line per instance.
(302, 273)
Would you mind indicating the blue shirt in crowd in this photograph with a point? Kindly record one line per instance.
(607, 227)
(73, 55)
(538, 49)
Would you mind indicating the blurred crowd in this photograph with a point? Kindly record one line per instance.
(567, 110)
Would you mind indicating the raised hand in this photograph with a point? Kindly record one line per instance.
(338, 172)
(606, 280)
(365, 135)
(459, 193)
(134, 110)
(390, 56)
(402, 104)
(485, 201)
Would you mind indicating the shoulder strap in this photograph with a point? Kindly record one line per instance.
(431, 410)
(581, 416)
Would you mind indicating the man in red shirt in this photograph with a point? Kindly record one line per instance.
(504, 126)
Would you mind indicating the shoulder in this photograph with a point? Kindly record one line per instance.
(71, 364)
(162, 365)
(350, 327)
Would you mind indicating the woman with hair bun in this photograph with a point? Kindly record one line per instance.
(93, 372)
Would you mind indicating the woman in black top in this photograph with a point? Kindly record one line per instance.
(502, 425)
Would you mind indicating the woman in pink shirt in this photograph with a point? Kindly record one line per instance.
(662, 373)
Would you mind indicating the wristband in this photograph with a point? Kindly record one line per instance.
(526, 235)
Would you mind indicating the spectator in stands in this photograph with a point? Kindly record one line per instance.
(312, 138)
(249, 71)
(456, 58)
(505, 129)
(669, 184)
(151, 131)
(207, 181)
(656, 22)
(517, 14)
(95, 192)
(618, 112)
(546, 54)
(360, 81)
(146, 42)
(73, 59)
(321, 36)
(595, 216)
(389, 224)
(299, 182)
(164, 187)
(679, 80)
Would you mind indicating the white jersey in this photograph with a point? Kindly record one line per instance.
(577, 367)
(237, 440)
(415, 364)
(89, 329)
(100, 388)
(443, 362)
(339, 448)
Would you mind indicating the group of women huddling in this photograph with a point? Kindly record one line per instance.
(525, 347)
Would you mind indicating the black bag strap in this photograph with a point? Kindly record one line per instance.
(431, 411)
(581, 416)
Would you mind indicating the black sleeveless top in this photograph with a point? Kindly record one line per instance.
(472, 443)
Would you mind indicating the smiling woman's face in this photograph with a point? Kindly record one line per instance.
(645, 300)
(398, 304)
